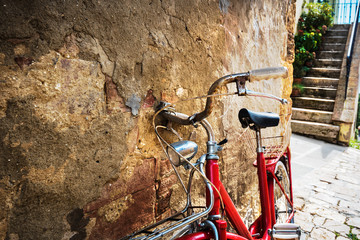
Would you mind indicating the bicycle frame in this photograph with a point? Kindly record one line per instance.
(259, 229)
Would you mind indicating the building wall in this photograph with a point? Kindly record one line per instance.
(299, 10)
(346, 108)
(79, 82)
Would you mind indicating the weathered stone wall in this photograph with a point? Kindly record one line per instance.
(346, 109)
(78, 83)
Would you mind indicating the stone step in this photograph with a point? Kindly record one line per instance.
(330, 54)
(318, 130)
(335, 63)
(337, 32)
(324, 72)
(332, 47)
(320, 82)
(335, 39)
(313, 103)
(340, 27)
(311, 115)
(327, 93)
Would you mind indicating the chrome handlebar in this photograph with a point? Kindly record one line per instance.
(239, 79)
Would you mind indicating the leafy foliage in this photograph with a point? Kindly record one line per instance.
(312, 24)
(310, 41)
(354, 144)
(351, 235)
(315, 16)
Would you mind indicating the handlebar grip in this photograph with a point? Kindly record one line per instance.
(266, 73)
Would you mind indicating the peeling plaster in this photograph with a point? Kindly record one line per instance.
(134, 103)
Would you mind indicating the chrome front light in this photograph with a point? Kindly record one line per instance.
(187, 149)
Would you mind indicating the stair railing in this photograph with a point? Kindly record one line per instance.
(351, 47)
(344, 11)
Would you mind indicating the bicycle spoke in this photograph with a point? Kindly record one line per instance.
(283, 204)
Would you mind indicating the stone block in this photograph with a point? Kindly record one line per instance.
(321, 233)
(306, 226)
(340, 27)
(320, 82)
(333, 214)
(311, 115)
(349, 208)
(330, 55)
(356, 231)
(352, 91)
(333, 47)
(335, 39)
(326, 198)
(319, 92)
(354, 221)
(353, 82)
(318, 220)
(335, 226)
(354, 71)
(342, 238)
(313, 208)
(336, 63)
(302, 216)
(334, 32)
(348, 178)
(299, 203)
(314, 103)
(345, 132)
(315, 129)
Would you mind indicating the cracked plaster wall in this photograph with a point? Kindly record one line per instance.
(78, 83)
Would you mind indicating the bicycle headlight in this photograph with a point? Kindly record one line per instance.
(187, 149)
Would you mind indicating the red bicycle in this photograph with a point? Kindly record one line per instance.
(273, 171)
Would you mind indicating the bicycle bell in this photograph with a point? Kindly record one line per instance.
(187, 149)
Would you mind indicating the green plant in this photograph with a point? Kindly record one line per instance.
(302, 56)
(351, 235)
(315, 16)
(312, 24)
(297, 89)
(310, 41)
(354, 144)
(299, 86)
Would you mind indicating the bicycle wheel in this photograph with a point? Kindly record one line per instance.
(282, 206)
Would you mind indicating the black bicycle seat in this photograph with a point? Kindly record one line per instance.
(258, 119)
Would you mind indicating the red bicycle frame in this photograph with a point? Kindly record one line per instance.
(259, 229)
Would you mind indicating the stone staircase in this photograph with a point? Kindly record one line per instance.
(313, 110)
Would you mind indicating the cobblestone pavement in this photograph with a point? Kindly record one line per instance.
(326, 189)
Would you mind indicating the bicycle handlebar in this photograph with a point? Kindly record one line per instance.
(266, 73)
(254, 75)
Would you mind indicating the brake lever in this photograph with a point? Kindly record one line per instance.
(265, 95)
(243, 91)
(222, 142)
